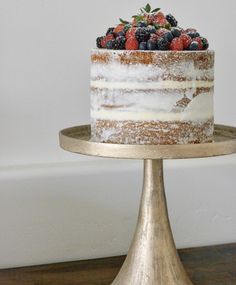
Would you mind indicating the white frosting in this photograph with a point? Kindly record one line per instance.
(114, 71)
(199, 109)
(165, 84)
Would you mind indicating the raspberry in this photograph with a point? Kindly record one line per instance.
(176, 44)
(199, 41)
(132, 44)
(106, 39)
(186, 40)
(130, 33)
(118, 28)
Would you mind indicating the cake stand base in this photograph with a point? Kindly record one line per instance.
(152, 258)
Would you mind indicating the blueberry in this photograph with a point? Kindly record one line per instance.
(110, 44)
(193, 34)
(176, 32)
(151, 29)
(151, 45)
(193, 46)
(142, 24)
(168, 37)
(143, 46)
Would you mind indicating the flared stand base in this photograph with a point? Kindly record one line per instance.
(152, 258)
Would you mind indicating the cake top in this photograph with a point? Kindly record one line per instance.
(151, 29)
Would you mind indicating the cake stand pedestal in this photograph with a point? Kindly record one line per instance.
(152, 258)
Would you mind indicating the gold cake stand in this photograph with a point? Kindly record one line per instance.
(152, 258)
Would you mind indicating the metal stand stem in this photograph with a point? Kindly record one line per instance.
(152, 258)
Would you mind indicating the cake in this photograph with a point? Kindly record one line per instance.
(152, 87)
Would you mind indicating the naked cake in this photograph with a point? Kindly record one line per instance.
(152, 83)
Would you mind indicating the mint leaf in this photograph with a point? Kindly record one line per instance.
(147, 8)
(156, 10)
(123, 21)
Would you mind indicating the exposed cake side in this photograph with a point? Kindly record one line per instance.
(152, 97)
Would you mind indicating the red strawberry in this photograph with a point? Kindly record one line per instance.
(130, 33)
(106, 39)
(118, 28)
(199, 41)
(158, 18)
(160, 32)
(131, 44)
(176, 44)
(186, 40)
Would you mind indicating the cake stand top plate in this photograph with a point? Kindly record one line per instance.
(78, 140)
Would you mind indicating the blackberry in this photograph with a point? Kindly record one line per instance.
(110, 44)
(193, 46)
(142, 34)
(110, 31)
(205, 44)
(143, 46)
(98, 41)
(193, 34)
(151, 45)
(168, 36)
(163, 44)
(142, 24)
(120, 42)
(171, 19)
(176, 32)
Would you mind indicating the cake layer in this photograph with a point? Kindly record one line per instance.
(151, 132)
(164, 89)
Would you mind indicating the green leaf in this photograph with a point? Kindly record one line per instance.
(147, 8)
(156, 10)
(123, 21)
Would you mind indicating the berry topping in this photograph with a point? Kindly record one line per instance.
(168, 36)
(151, 29)
(193, 34)
(120, 42)
(171, 19)
(193, 46)
(98, 41)
(142, 34)
(110, 44)
(176, 44)
(130, 33)
(176, 32)
(118, 28)
(151, 45)
(199, 41)
(205, 44)
(106, 39)
(163, 44)
(132, 44)
(186, 40)
(109, 31)
(143, 46)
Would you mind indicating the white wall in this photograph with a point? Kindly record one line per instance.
(44, 87)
